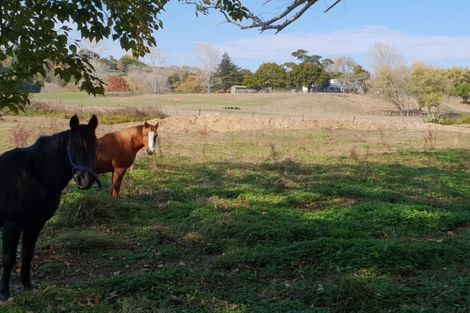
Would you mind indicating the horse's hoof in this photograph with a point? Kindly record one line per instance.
(27, 287)
(4, 296)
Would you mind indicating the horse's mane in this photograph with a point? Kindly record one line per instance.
(44, 159)
(127, 136)
(57, 138)
(130, 132)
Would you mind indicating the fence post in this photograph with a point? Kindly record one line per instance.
(199, 111)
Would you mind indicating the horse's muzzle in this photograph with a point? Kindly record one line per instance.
(85, 180)
(150, 152)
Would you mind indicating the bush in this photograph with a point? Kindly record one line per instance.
(117, 83)
(462, 91)
(191, 84)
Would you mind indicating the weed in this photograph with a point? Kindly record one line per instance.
(274, 155)
(20, 136)
(429, 141)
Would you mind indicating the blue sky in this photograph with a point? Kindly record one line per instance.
(434, 31)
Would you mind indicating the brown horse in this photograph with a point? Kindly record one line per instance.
(116, 151)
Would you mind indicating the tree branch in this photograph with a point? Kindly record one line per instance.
(278, 22)
(331, 6)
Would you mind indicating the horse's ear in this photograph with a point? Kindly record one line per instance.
(93, 123)
(156, 125)
(146, 125)
(74, 122)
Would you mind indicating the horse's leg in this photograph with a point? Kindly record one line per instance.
(118, 175)
(11, 235)
(30, 235)
(112, 182)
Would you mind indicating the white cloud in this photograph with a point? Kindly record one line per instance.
(357, 42)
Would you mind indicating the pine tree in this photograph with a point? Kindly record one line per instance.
(227, 74)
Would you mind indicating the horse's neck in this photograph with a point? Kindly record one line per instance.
(136, 139)
(50, 160)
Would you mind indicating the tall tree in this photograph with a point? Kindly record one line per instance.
(382, 55)
(157, 59)
(208, 57)
(268, 75)
(127, 61)
(391, 84)
(348, 72)
(391, 75)
(227, 73)
(303, 57)
(309, 75)
(463, 91)
(428, 85)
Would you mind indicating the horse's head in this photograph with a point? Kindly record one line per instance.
(150, 134)
(81, 151)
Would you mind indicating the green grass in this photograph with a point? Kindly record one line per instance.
(239, 226)
(464, 119)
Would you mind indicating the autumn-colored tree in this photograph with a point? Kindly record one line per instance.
(117, 84)
(173, 81)
(190, 84)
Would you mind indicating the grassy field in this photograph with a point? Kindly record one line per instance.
(282, 221)
(290, 105)
(182, 102)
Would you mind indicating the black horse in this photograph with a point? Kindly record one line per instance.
(31, 182)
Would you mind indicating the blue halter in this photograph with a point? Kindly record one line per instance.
(82, 168)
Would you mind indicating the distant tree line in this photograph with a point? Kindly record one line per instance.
(391, 78)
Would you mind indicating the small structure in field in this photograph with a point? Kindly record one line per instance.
(241, 89)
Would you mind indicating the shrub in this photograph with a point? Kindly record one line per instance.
(20, 136)
(462, 91)
(191, 84)
(117, 83)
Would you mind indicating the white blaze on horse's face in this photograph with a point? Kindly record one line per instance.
(152, 143)
(151, 132)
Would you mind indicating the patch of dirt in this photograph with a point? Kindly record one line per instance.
(217, 122)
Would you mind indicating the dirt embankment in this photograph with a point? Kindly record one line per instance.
(223, 123)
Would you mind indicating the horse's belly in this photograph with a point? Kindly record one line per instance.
(103, 167)
(29, 206)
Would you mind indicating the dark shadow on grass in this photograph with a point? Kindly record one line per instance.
(290, 237)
